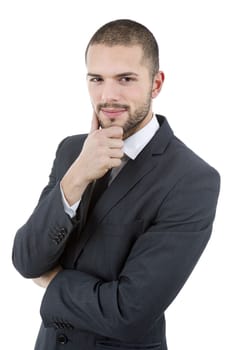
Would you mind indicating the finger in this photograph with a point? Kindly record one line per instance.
(115, 162)
(115, 143)
(114, 132)
(94, 123)
(116, 153)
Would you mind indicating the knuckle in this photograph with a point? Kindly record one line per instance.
(117, 162)
(119, 131)
(121, 154)
(120, 143)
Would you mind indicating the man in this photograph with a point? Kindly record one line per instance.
(112, 263)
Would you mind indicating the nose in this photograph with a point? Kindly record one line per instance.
(110, 91)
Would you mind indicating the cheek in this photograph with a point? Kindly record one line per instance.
(138, 96)
(94, 96)
(131, 95)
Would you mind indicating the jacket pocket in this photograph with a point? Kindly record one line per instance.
(113, 345)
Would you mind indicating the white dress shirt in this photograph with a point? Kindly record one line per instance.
(133, 145)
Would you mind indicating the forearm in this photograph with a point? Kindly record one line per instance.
(73, 185)
(38, 245)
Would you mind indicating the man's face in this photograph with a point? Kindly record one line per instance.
(120, 86)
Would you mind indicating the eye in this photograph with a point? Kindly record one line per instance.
(126, 79)
(96, 80)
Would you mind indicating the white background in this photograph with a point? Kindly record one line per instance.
(43, 98)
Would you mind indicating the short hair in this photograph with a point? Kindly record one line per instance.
(128, 33)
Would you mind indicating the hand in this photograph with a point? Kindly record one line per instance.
(101, 151)
(44, 280)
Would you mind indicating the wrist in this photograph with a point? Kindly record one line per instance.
(73, 189)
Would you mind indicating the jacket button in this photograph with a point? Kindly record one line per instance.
(63, 231)
(62, 339)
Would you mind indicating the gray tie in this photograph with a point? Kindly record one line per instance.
(116, 171)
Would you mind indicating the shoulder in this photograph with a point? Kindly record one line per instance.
(68, 150)
(193, 185)
(70, 146)
(189, 160)
(72, 142)
(195, 179)
(180, 161)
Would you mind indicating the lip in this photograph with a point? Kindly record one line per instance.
(113, 113)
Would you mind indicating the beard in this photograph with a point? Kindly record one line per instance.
(135, 118)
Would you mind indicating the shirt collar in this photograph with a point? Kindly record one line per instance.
(135, 143)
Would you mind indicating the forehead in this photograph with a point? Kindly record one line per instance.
(116, 59)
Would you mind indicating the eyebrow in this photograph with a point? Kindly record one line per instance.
(125, 74)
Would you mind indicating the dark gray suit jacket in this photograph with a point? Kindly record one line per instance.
(125, 264)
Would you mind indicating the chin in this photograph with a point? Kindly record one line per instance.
(110, 122)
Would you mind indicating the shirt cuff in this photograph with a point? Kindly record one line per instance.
(70, 210)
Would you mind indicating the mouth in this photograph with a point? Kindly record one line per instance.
(113, 112)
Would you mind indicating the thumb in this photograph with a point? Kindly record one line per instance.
(94, 123)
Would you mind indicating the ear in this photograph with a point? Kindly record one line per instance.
(157, 83)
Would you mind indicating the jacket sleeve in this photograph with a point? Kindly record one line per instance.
(157, 267)
(39, 243)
